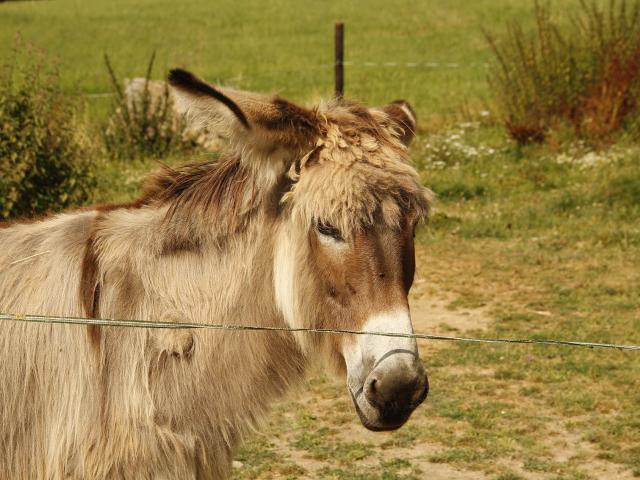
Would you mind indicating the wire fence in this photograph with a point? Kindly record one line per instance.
(108, 322)
(425, 65)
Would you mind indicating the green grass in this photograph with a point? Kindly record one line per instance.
(276, 46)
(548, 245)
(555, 246)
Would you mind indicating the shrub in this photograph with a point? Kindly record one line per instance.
(43, 161)
(586, 78)
(143, 122)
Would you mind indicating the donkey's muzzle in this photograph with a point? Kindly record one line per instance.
(395, 394)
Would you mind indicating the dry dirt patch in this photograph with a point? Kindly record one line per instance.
(432, 313)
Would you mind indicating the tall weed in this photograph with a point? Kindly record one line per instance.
(143, 123)
(584, 80)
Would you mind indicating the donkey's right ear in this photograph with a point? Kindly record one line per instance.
(201, 99)
(246, 117)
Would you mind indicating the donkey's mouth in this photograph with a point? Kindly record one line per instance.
(377, 421)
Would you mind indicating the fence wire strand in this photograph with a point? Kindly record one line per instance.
(108, 322)
(431, 65)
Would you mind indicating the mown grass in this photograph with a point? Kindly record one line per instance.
(277, 46)
(548, 240)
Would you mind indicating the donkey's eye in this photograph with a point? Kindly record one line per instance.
(329, 230)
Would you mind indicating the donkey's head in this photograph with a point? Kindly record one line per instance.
(348, 201)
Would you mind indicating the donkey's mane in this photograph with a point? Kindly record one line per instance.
(214, 189)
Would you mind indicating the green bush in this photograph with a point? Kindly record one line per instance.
(584, 80)
(143, 124)
(43, 159)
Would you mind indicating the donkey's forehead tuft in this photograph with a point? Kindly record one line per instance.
(359, 173)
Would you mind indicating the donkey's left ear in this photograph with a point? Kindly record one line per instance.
(403, 118)
(250, 120)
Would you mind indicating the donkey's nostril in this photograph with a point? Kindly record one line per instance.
(371, 392)
(372, 385)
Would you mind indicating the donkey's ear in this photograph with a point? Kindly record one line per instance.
(195, 93)
(246, 117)
(403, 118)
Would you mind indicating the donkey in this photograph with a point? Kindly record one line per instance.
(308, 221)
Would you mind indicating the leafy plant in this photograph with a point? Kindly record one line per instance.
(43, 156)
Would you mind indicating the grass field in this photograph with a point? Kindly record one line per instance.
(277, 46)
(534, 242)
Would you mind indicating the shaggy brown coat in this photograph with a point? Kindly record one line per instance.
(198, 246)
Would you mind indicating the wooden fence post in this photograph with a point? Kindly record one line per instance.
(339, 65)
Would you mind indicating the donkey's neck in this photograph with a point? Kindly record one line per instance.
(231, 377)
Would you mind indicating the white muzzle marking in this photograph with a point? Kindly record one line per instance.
(373, 351)
(379, 356)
